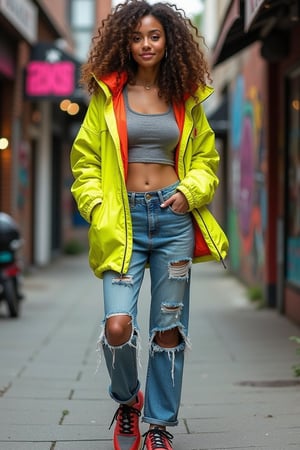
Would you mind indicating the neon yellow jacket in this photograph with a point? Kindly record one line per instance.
(99, 166)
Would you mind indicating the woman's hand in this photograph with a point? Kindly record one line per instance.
(177, 202)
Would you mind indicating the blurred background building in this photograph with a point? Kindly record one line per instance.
(255, 56)
(254, 53)
(42, 44)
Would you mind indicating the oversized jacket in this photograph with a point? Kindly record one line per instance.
(99, 165)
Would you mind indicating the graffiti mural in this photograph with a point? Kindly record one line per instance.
(247, 219)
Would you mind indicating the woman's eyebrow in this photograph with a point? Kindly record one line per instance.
(155, 30)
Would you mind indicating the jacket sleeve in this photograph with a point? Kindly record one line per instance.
(200, 179)
(86, 162)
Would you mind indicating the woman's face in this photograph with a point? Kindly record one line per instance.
(148, 42)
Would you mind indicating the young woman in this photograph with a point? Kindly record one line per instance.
(144, 163)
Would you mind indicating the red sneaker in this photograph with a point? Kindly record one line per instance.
(158, 438)
(127, 434)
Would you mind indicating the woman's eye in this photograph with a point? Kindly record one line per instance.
(136, 39)
(155, 37)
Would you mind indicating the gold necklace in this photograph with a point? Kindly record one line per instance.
(146, 86)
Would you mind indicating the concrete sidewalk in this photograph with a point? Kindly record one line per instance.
(239, 390)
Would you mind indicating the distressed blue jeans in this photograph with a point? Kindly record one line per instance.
(161, 238)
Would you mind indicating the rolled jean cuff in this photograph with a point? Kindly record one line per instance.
(162, 423)
(124, 402)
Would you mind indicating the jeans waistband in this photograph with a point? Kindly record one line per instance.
(161, 194)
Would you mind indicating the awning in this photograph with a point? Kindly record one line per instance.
(247, 21)
(230, 27)
(52, 74)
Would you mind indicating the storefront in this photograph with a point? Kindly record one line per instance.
(34, 130)
(271, 29)
(289, 148)
(51, 84)
(18, 31)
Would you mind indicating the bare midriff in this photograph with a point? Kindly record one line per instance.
(143, 177)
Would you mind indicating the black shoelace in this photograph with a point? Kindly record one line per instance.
(124, 415)
(158, 437)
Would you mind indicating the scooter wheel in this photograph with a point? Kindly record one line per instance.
(11, 297)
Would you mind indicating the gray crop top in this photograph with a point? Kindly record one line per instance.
(152, 138)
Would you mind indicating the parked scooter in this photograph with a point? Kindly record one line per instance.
(10, 268)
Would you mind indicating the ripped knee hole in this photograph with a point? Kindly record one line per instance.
(179, 269)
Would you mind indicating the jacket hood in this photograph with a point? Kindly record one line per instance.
(115, 82)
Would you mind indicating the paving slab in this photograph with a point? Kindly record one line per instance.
(25, 445)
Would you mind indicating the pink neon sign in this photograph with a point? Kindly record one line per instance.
(46, 79)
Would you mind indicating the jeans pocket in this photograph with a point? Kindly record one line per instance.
(176, 213)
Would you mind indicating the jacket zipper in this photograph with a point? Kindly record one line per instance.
(212, 240)
(124, 209)
(126, 232)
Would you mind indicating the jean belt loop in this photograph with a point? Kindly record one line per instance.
(160, 196)
(133, 199)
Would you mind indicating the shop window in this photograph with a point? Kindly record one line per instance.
(82, 20)
(82, 13)
(293, 181)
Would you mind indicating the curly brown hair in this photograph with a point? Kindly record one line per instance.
(185, 67)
